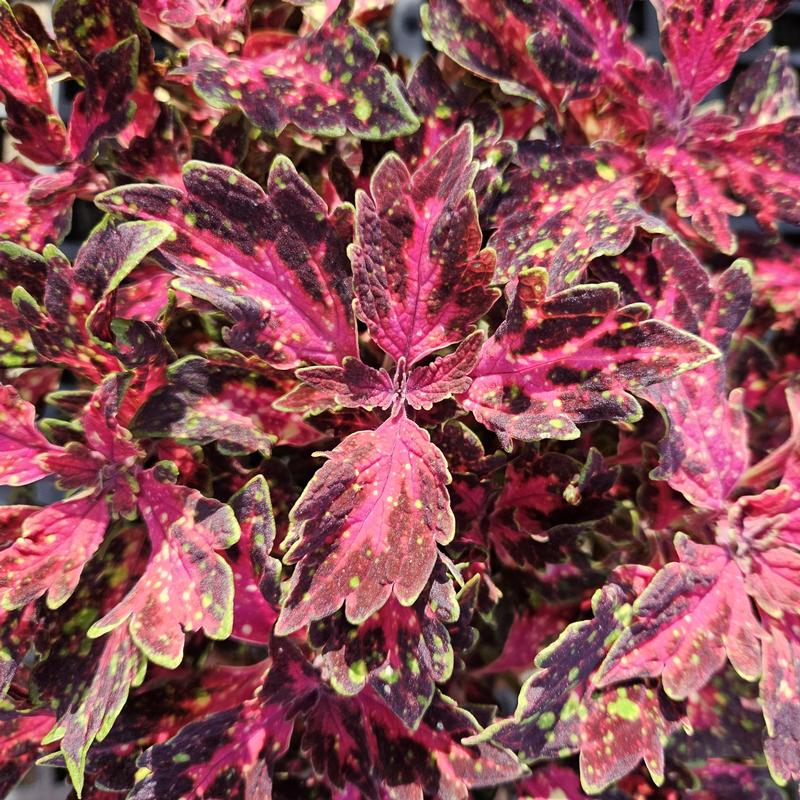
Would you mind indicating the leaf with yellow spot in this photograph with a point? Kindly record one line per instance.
(49, 555)
(274, 262)
(571, 358)
(693, 614)
(624, 726)
(402, 652)
(562, 207)
(421, 277)
(326, 83)
(22, 445)
(186, 586)
(367, 525)
(63, 327)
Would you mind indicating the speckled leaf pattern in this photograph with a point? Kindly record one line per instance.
(702, 42)
(780, 685)
(624, 726)
(445, 376)
(562, 207)
(186, 584)
(572, 358)
(325, 83)
(692, 615)
(256, 574)
(353, 385)
(402, 652)
(31, 117)
(21, 733)
(203, 404)
(488, 40)
(367, 525)
(51, 551)
(360, 745)
(22, 445)
(59, 327)
(87, 683)
(552, 702)
(18, 267)
(25, 223)
(704, 452)
(421, 277)
(272, 261)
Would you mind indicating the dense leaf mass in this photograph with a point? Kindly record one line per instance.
(362, 397)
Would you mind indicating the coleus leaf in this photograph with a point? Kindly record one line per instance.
(177, 20)
(326, 83)
(562, 207)
(53, 546)
(256, 574)
(402, 652)
(232, 752)
(18, 267)
(622, 727)
(201, 403)
(32, 225)
(377, 756)
(551, 703)
(274, 262)
(32, 119)
(367, 525)
(60, 328)
(353, 385)
(780, 683)
(446, 376)
(21, 733)
(22, 445)
(704, 452)
(572, 358)
(186, 584)
(691, 615)
(105, 107)
(703, 44)
(88, 682)
(421, 277)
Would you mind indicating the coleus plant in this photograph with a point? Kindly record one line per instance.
(555, 391)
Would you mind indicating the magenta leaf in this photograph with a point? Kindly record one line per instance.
(203, 403)
(378, 756)
(186, 584)
(446, 376)
(352, 385)
(402, 652)
(421, 277)
(326, 83)
(274, 262)
(25, 223)
(779, 686)
(53, 546)
(31, 117)
(88, 682)
(692, 615)
(562, 207)
(551, 706)
(21, 733)
(624, 726)
(702, 44)
(256, 574)
(367, 525)
(61, 327)
(572, 358)
(22, 446)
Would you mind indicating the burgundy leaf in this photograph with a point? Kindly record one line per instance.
(446, 376)
(186, 585)
(572, 358)
(421, 278)
(274, 262)
(326, 83)
(352, 385)
(367, 525)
